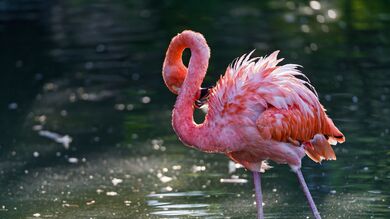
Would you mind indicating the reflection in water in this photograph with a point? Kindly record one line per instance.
(92, 71)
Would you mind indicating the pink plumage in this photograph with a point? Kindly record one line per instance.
(258, 110)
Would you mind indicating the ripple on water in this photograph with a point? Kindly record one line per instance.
(164, 208)
(178, 194)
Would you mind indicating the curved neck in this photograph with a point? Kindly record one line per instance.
(189, 132)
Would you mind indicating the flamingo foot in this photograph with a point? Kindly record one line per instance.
(307, 194)
(259, 195)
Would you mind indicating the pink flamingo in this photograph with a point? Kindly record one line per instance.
(257, 111)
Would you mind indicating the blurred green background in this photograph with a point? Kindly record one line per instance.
(85, 116)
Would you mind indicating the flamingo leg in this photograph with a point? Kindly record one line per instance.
(259, 195)
(307, 194)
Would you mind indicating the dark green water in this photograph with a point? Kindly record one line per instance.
(92, 70)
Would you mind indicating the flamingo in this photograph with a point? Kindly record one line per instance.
(257, 111)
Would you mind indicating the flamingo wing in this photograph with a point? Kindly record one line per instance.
(291, 125)
(283, 107)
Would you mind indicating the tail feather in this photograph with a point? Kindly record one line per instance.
(333, 133)
(320, 149)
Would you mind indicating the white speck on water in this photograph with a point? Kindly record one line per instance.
(120, 106)
(313, 46)
(41, 119)
(37, 215)
(164, 178)
(332, 192)
(112, 193)
(355, 99)
(35, 154)
(64, 113)
(316, 5)
(65, 140)
(72, 98)
(165, 170)
(306, 10)
(73, 160)
(145, 99)
(365, 168)
(13, 106)
(116, 181)
(176, 167)
(198, 168)
(320, 18)
(134, 136)
(274, 190)
(233, 180)
(167, 189)
(127, 203)
(50, 87)
(130, 107)
(90, 202)
(332, 14)
(37, 127)
(288, 17)
(99, 191)
(305, 28)
(375, 191)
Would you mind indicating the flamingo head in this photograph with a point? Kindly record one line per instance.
(174, 76)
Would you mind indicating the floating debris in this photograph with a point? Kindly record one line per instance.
(37, 215)
(35, 154)
(111, 193)
(164, 179)
(145, 99)
(70, 205)
(116, 181)
(316, 5)
(176, 167)
(65, 140)
(167, 189)
(198, 168)
(238, 180)
(3, 208)
(90, 202)
(234, 179)
(332, 14)
(73, 160)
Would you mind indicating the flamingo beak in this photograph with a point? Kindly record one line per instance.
(203, 97)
